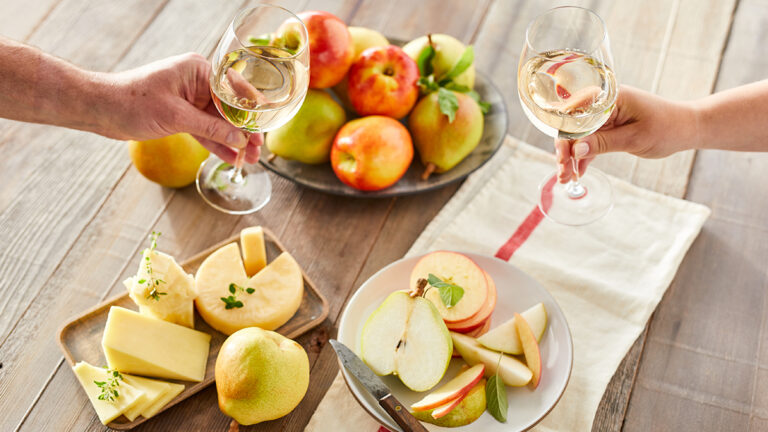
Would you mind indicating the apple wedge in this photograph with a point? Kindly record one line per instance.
(504, 337)
(452, 390)
(511, 370)
(483, 317)
(443, 410)
(406, 336)
(530, 348)
(458, 269)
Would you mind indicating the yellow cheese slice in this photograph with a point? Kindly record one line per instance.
(128, 396)
(138, 344)
(278, 291)
(173, 391)
(176, 305)
(254, 251)
(153, 391)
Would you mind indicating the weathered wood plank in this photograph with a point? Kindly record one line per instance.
(18, 21)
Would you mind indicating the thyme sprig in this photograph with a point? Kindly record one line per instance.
(152, 284)
(109, 387)
(231, 301)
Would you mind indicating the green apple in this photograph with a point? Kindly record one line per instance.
(442, 143)
(448, 51)
(511, 370)
(504, 337)
(308, 136)
(468, 410)
(362, 39)
(406, 336)
(260, 375)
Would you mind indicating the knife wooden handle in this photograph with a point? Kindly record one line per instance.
(401, 415)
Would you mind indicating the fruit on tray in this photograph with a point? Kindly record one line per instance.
(448, 51)
(260, 375)
(511, 370)
(113, 406)
(162, 289)
(470, 407)
(406, 336)
(458, 269)
(138, 344)
(157, 394)
(382, 81)
(530, 348)
(452, 390)
(443, 142)
(480, 322)
(254, 250)
(330, 48)
(504, 337)
(308, 136)
(371, 153)
(228, 300)
(362, 39)
(171, 161)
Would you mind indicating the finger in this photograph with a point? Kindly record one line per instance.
(617, 139)
(252, 153)
(212, 127)
(224, 153)
(583, 164)
(565, 172)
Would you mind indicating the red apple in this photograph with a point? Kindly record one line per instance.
(482, 317)
(371, 153)
(331, 49)
(460, 385)
(382, 81)
(530, 348)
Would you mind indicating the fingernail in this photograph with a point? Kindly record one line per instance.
(580, 150)
(236, 139)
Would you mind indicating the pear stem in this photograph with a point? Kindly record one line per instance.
(418, 290)
(271, 157)
(234, 426)
(428, 172)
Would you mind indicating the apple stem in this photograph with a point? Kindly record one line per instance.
(418, 290)
(428, 172)
(271, 157)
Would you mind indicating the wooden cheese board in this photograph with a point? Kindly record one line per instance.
(80, 338)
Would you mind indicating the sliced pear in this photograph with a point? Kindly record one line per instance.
(406, 336)
(511, 370)
(254, 251)
(470, 407)
(530, 348)
(277, 291)
(504, 337)
(456, 388)
(455, 268)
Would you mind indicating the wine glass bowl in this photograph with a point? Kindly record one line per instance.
(568, 90)
(259, 78)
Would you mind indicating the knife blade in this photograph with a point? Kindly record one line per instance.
(376, 388)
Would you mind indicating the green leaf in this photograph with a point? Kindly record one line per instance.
(484, 106)
(250, 290)
(427, 84)
(465, 61)
(232, 288)
(448, 103)
(458, 87)
(450, 293)
(424, 61)
(141, 281)
(238, 304)
(263, 40)
(496, 398)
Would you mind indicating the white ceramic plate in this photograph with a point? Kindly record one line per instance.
(516, 293)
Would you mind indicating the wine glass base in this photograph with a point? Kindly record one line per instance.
(557, 204)
(216, 185)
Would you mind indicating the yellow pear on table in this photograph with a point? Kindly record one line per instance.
(170, 161)
(260, 375)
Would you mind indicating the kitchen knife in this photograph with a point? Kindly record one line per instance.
(377, 388)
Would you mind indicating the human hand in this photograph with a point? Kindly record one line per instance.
(642, 124)
(170, 96)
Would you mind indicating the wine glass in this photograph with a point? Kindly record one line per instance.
(568, 90)
(259, 80)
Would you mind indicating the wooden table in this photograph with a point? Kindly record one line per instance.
(74, 213)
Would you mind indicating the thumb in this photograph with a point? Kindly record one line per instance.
(605, 141)
(200, 123)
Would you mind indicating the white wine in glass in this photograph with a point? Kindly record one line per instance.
(568, 90)
(259, 80)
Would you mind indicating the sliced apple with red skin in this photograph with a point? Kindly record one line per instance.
(552, 69)
(511, 370)
(482, 317)
(504, 337)
(458, 269)
(443, 410)
(530, 348)
(454, 389)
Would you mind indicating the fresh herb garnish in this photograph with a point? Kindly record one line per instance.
(496, 395)
(150, 282)
(231, 301)
(263, 40)
(109, 387)
(448, 103)
(450, 293)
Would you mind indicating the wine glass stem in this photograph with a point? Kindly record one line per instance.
(237, 174)
(574, 188)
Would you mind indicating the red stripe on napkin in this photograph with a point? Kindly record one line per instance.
(530, 223)
(383, 429)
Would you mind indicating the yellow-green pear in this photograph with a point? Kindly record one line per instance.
(260, 375)
(308, 136)
(468, 410)
(448, 51)
(170, 161)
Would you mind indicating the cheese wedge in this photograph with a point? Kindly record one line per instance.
(128, 396)
(173, 391)
(254, 251)
(137, 344)
(153, 391)
(277, 291)
(176, 304)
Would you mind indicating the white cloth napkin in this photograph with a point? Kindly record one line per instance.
(607, 277)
